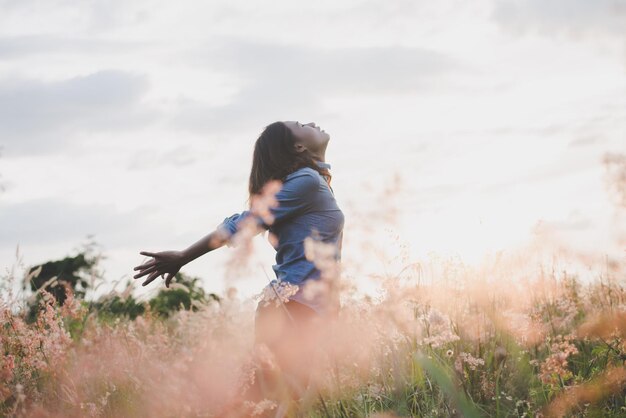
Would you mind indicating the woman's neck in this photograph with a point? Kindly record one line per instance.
(321, 156)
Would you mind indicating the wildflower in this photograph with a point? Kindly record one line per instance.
(278, 291)
(375, 391)
(91, 408)
(522, 405)
(105, 399)
(246, 378)
(265, 357)
(555, 366)
(439, 340)
(467, 358)
(449, 353)
(436, 318)
(439, 329)
(259, 408)
(487, 385)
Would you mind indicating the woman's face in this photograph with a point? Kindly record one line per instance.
(309, 136)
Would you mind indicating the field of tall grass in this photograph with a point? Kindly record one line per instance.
(515, 337)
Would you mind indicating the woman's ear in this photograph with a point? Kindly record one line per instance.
(299, 147)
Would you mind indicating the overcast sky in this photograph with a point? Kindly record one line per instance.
(134, 121)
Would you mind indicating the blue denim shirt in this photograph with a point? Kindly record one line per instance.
(306, 208)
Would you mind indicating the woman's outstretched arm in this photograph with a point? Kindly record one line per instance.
(168, 263)
(210, 242)
(293, 197)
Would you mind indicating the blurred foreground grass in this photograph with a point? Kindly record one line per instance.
(476, 345)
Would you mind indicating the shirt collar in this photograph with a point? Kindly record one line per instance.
(322, 164)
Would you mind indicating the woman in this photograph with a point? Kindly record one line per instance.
(288, 318)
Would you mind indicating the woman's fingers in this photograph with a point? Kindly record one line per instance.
(146, 265)
(151, 278)
(161, 265)
(168, 279)
(149, 254)
(146, 271)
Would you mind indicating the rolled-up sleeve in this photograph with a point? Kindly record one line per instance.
(294, 198)
(231, 223)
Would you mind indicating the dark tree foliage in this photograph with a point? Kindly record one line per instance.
(76, 271)
(67, 270)
(114, 306)
(54, 276)
(186, 296)
(174, 299)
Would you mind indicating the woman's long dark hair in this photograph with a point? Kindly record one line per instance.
(275, 157)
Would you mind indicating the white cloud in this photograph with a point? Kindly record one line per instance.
(576, 18)
(348, 70)
(71, 16)
(54, 220)
(148, 158)
(278, 78)
(43, 117)
(16, 47)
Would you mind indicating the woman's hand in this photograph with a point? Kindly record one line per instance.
(166, 263)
